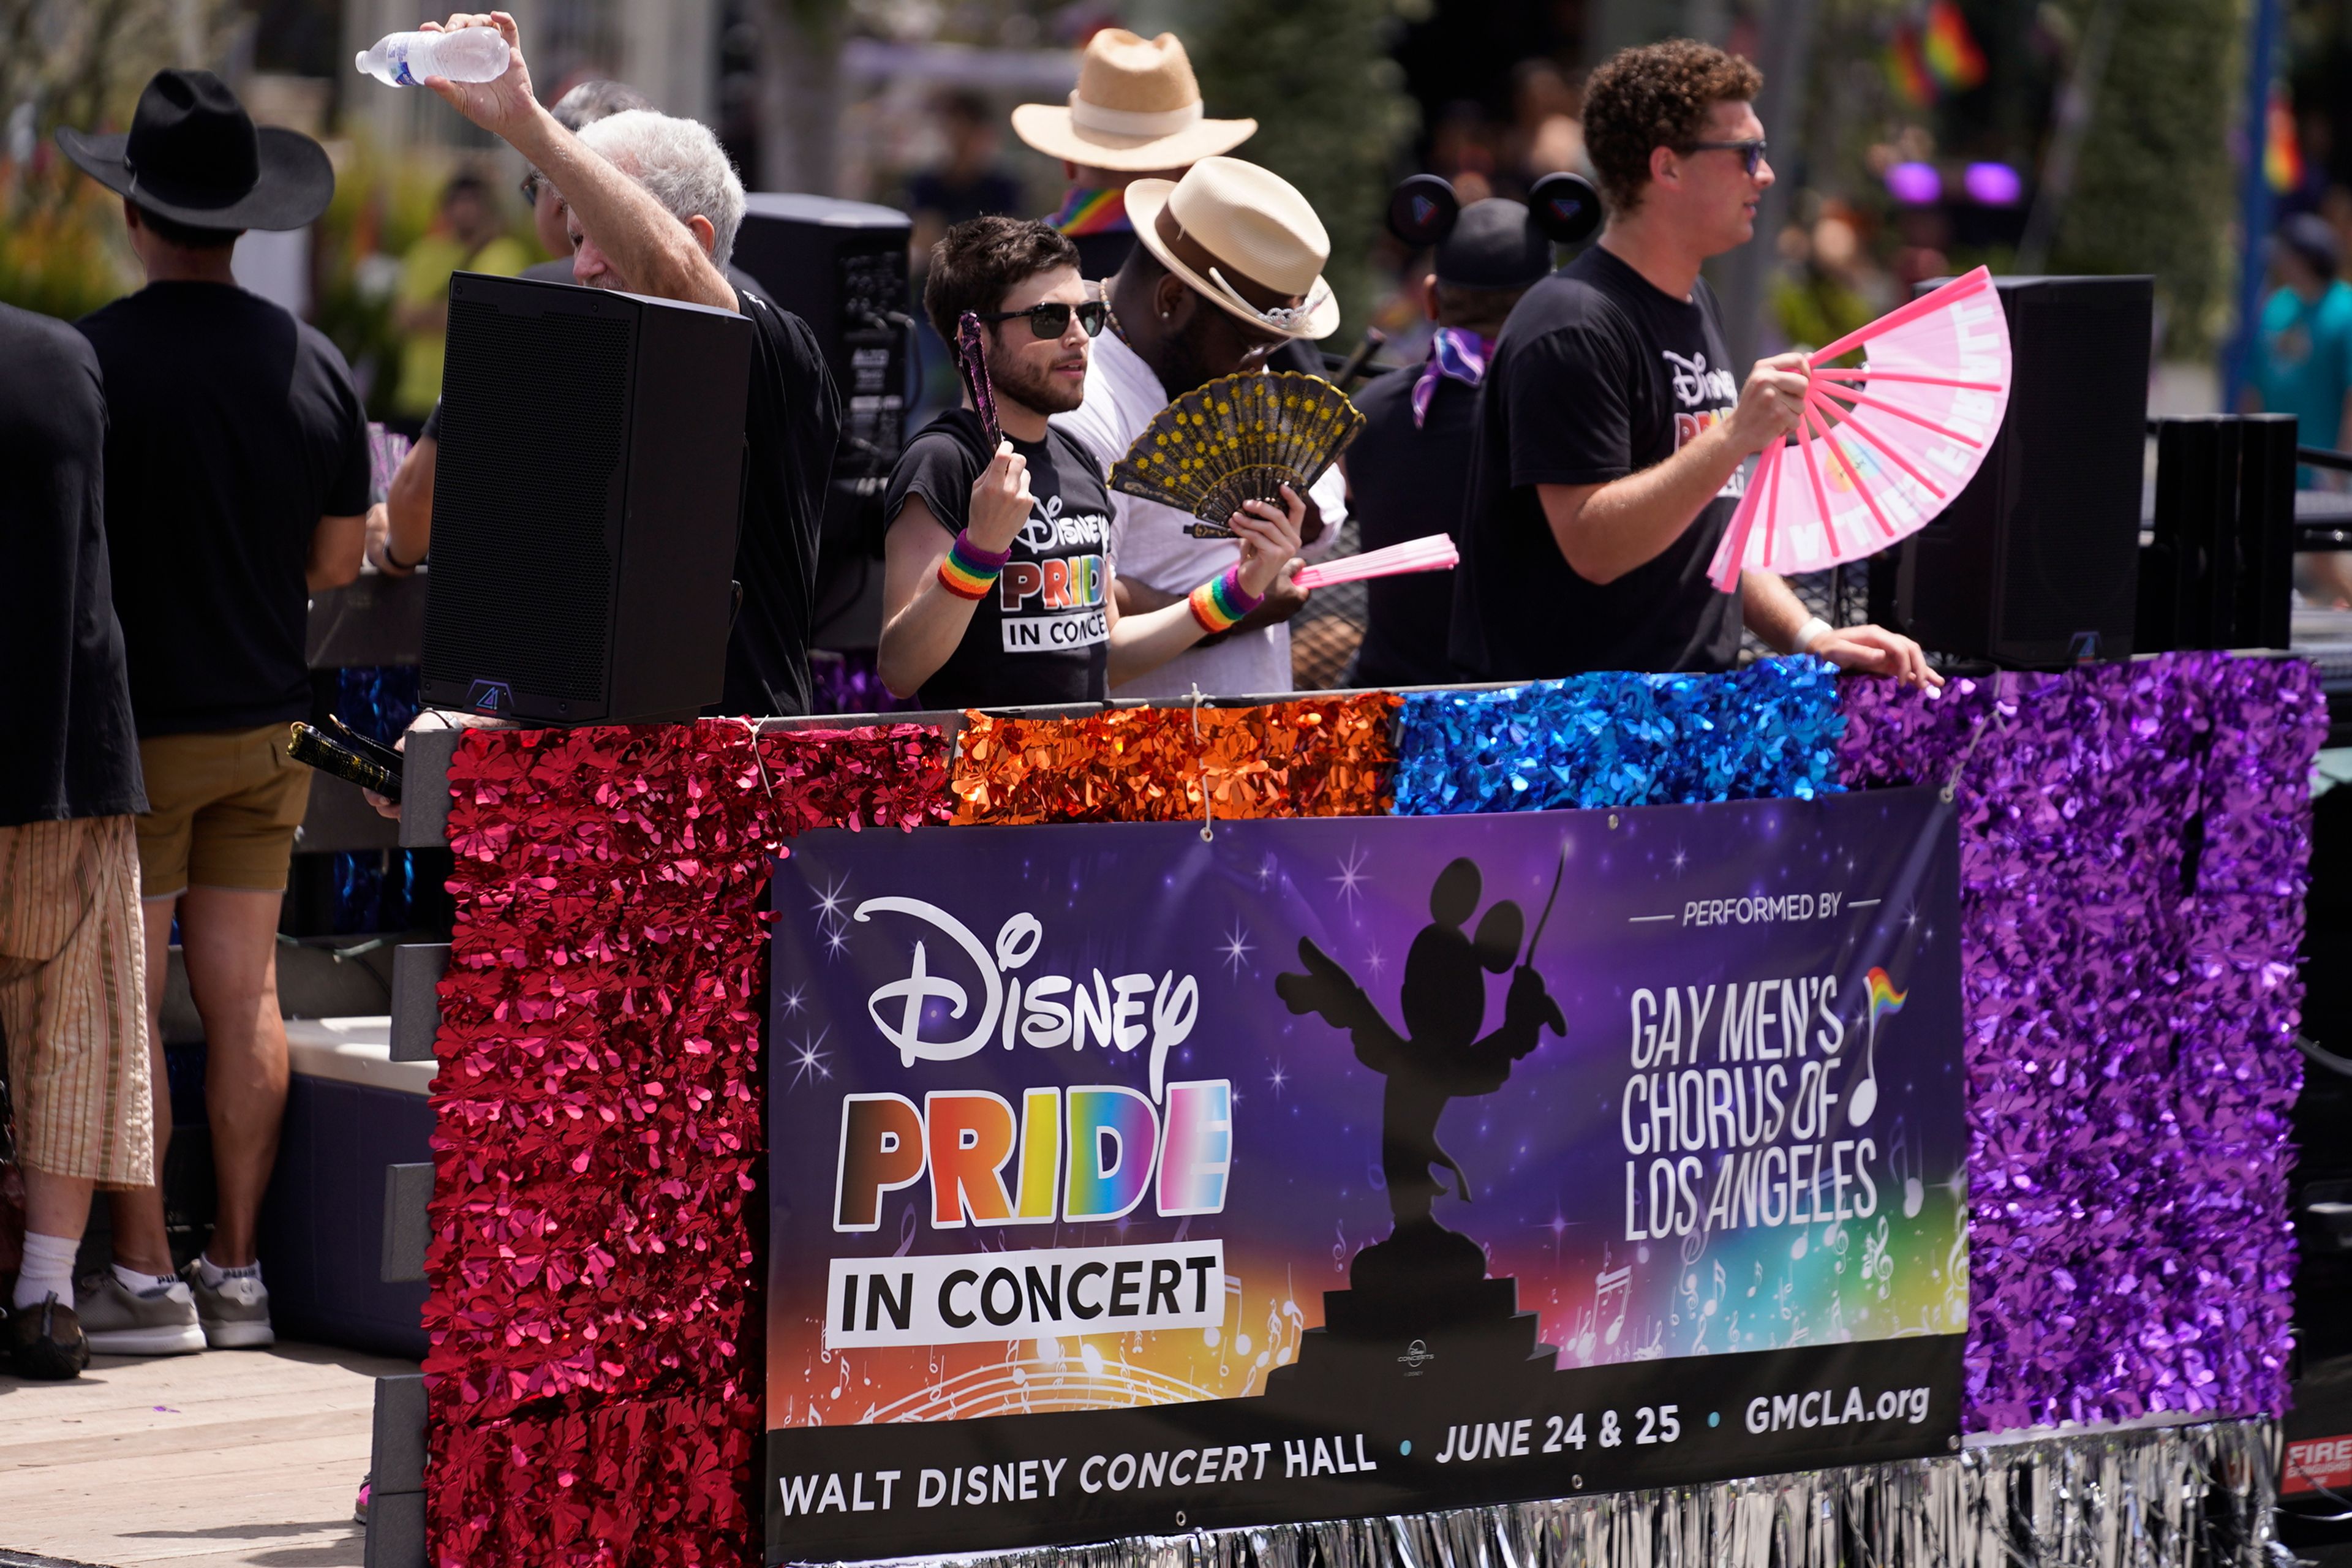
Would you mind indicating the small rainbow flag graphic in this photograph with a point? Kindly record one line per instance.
(1884, 1000)
(1951, 50)
(2282, 153)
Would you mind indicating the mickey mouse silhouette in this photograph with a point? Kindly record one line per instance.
(1444, 1003)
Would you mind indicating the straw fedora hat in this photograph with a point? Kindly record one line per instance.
(1244, 239)
(1135, 107)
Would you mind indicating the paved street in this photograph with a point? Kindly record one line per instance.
(239, 1459)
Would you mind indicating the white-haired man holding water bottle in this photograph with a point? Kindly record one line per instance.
(653, 205)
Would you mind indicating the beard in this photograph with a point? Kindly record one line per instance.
(1037, 390)
(1182, 366)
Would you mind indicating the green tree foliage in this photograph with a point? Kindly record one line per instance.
(79, 63)
(2155, 190)
(1332, 109)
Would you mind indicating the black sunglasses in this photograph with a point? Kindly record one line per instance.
(1753, 150)
(1053, 320)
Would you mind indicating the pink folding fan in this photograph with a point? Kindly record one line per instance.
(1884, 446)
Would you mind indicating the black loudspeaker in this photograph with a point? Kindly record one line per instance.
(2218, 571)
(585, 503)
(841, 267)
(2036, 562)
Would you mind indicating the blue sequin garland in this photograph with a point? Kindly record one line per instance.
(1617, 739)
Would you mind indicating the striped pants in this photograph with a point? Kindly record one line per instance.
(73, 1000)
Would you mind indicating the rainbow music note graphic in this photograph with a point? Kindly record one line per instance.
(1884, 1001)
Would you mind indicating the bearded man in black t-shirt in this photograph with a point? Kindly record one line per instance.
(1611, 434)
(675, 245)
(998, 571)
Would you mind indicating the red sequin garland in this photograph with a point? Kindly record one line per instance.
(593, 1367)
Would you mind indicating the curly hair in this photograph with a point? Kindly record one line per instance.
(1655, 96)
(980, 260)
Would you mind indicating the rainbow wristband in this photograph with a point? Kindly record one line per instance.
(970, 572)
(1220, 603)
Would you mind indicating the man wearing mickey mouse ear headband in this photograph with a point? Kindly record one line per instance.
(1408, 471)
(1614, 434)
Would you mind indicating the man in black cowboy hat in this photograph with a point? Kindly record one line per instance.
(236, 485)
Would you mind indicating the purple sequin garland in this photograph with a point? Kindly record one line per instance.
(2134, 845)
(971, 363)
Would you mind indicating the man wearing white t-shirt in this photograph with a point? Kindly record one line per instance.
(1228, 270)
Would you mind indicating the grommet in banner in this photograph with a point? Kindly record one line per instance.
(1577, 1482)
(1951, 1442)
(1179, 1516)
(1612, 819)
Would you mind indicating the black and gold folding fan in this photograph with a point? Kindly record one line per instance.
(1237, 439)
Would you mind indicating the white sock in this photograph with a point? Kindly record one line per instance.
(47, 1271)
(212, 1273)
(142, 1284)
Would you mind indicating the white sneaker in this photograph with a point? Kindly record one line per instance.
(118, 1321)
(236, 1317)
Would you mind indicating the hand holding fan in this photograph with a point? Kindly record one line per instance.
(1880, 448)
(1238, 439)
(972, 365)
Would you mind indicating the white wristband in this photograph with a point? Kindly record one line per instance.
(1811, 632)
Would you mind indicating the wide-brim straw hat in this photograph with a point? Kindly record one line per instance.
(1242, 238)
(193, 155)
(1137, 108)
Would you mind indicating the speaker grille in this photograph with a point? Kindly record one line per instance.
(524, 489)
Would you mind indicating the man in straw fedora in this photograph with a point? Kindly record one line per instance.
(1228, 271)
(1135, 112)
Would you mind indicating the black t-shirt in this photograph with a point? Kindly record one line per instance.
(1405, 483)
(1597, 376)
(232, 428)
(65, 705)
(1044, 635)
(791, 421)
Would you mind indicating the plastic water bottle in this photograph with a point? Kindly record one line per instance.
(405, 59)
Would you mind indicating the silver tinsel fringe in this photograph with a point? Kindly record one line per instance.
(2171, 1496)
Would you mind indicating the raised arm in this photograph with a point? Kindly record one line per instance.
(658, 253)
(1605, 531)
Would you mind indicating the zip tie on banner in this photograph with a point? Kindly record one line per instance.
(774, 842)
(1208, 807)
(1991, 720)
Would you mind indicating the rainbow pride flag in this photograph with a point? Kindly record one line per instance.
(2282, 153)
(1907, 70)
(1949, 50)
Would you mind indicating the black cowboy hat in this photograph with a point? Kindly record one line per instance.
(194, 156)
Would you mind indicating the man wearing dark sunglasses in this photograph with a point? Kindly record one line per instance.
(1612, 431)
(997, 575)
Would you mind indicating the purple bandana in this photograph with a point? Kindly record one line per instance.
(1456, 351)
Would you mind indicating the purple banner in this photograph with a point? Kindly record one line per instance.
(1125, 1182)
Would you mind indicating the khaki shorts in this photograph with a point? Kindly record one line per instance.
(73, 1000)
(222, 811)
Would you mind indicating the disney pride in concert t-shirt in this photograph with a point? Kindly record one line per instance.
(1043, 634)
(1597, 376)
